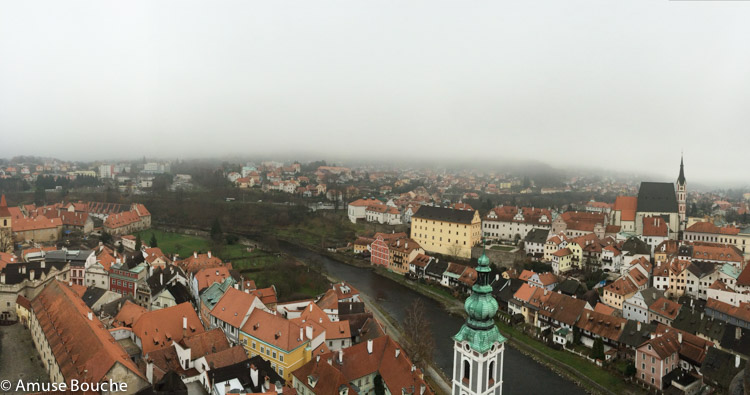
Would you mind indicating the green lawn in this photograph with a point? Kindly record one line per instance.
(184, 245)
(606, 379)
(175, 243)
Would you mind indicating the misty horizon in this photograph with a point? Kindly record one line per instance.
(607, 87)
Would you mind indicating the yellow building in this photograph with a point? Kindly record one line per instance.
(562, 261)
(446, 231)
(283, 343)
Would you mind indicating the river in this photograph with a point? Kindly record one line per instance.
(522, 374)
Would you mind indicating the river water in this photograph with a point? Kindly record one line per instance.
(522, 374)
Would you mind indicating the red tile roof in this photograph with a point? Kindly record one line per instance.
(206, 277)
(159, 328)
(37, 223)
(394, 367)
(665, 308)
(622, 286)
(655, 227)
(266, 295)
(627, 205)
(741, 312)
(274, 329)
(129, 314)
(604, 325)
(118, 220)
(83, 348)
(707, 227)
(233, 306)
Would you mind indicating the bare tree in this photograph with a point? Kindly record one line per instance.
(418, 340)
(6, 241)
(454, 250)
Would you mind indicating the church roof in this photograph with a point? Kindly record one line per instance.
(657, 197)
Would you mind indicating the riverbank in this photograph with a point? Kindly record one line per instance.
(390, 292)
(588, 376)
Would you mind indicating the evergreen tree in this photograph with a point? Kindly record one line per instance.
(597, 351)
(138, 243)
(216, 233)
(153, 242)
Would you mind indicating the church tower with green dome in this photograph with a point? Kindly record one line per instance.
(479, 347)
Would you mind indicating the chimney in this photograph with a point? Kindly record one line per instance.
(209, 254)
(422, 389)
(317, 359)
(737, 361)
(267, 384)
(161, 278)
(301, 334)
(398, 352)
(253, 374)
(653, 335)
(309, 330)
(195, 254)
(679, 337)
(91, 316)
(738, 333)
(369, 346)
(413, 367)
(638, 325)
(341, 356)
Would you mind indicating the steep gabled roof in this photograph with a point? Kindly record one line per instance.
(83, 348)
(657, 197)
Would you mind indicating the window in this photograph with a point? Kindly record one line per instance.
(274, 354)
(467, 372)
(281, 371)
(262, 349)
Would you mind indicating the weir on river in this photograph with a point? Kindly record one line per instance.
(522, 374)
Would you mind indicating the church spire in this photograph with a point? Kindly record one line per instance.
(681, 178)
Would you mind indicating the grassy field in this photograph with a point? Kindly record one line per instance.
(184, 245)
(604, 378)
(265, 268)
(175, 243)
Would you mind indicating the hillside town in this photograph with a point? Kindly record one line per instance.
(638, 283)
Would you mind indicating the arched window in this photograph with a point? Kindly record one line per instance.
(491, 373)
(467, 372)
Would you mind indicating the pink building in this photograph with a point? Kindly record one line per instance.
(656, 357)
(380, 253)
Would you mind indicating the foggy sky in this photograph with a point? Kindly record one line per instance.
(622, 85)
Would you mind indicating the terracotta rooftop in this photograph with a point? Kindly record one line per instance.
(159, 328)
(233, 306)
(82, 347)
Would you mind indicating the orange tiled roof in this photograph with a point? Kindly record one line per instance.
(129, 313)
(622, 286)
(37, 223)
(627, 205)
(274, 329)
(233, 306)
(206, 277)
(707, 227)
(83, 348)
(159, 328)
(665, 308)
